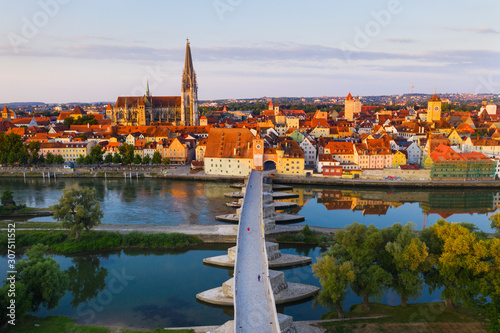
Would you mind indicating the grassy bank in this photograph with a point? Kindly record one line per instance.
(306, 236)
(419, 317)
(54, 324)
(60, 241)
(19, 209)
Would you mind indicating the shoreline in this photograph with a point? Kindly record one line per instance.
(183, 173)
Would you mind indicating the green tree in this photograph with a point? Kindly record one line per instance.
(23, 303)
(137, 159)
(495, 223)
(459, 261)
(7, 196)
(166, 161)
(108, 158)
(146, 159)
(490, 287)
(334, 278)
(78, 209)
(409, 255)
(58, 159)
(87, 160)
(96, 154)
(80, 159)
(41, 274)
(357, 243)
(127, 153)
(12, 149)
(49, 159)
(117, 158)
(34, 152)
(68, 121)
(156, 158)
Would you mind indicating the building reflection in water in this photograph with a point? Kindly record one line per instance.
(372, 202)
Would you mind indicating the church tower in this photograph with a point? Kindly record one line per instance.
(434, 109)
(189, 94)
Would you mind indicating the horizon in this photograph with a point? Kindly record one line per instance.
(66, 51)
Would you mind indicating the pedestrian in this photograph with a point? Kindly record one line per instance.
(258, 277)
(248, 229)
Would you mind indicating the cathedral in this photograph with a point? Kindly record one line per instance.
(147, 110)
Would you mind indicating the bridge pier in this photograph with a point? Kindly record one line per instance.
(255, 290)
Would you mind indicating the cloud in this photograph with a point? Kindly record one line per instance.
(400, 40)
(481, 30)
(297, 57)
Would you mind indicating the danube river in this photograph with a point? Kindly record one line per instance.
(150, 289)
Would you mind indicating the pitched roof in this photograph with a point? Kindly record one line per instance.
(229, 143)
(435, 98)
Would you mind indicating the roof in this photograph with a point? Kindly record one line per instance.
(435, 98)
(349, 97)
(229, 143)
(78, 110)
(156, 101)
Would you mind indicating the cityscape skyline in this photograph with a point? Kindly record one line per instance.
(64, 51)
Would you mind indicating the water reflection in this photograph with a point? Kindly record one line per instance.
(87, 278)
(371, 205)
(171, 202)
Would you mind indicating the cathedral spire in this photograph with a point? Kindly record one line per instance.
(147, 89)
(188, 62)
(189, 96)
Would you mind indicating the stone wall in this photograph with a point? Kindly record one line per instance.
(421, 174)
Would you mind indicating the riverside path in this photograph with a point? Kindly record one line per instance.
(254, 305)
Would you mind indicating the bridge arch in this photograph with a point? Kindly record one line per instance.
(269, 165)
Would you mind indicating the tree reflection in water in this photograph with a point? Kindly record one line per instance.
(86, 278)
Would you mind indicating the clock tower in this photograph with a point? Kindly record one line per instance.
(258, 153)
(434, 109)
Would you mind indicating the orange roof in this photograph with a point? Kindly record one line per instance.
(445, 153)
(349, 97)
(474, 156)
(338, 148)
(64, 115)
(78, 110)
(229, 143)
(109, 107)
(435, 98)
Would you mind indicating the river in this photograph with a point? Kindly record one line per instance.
(151, 289)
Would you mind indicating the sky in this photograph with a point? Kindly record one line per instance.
(59, 51)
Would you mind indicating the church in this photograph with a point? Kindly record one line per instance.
(147, 110)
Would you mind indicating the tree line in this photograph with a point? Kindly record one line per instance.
(14, 151)
(454, 257)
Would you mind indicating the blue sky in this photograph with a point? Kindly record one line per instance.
(85, 51)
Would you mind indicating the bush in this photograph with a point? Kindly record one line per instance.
(60, 241)
(96, 240)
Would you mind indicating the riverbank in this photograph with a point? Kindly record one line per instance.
(183, 172)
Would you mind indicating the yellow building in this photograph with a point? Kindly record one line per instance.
(291, 159)
(175, 150)
(434, 109)
(455, 139)
(398, 159)
(72, 150)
